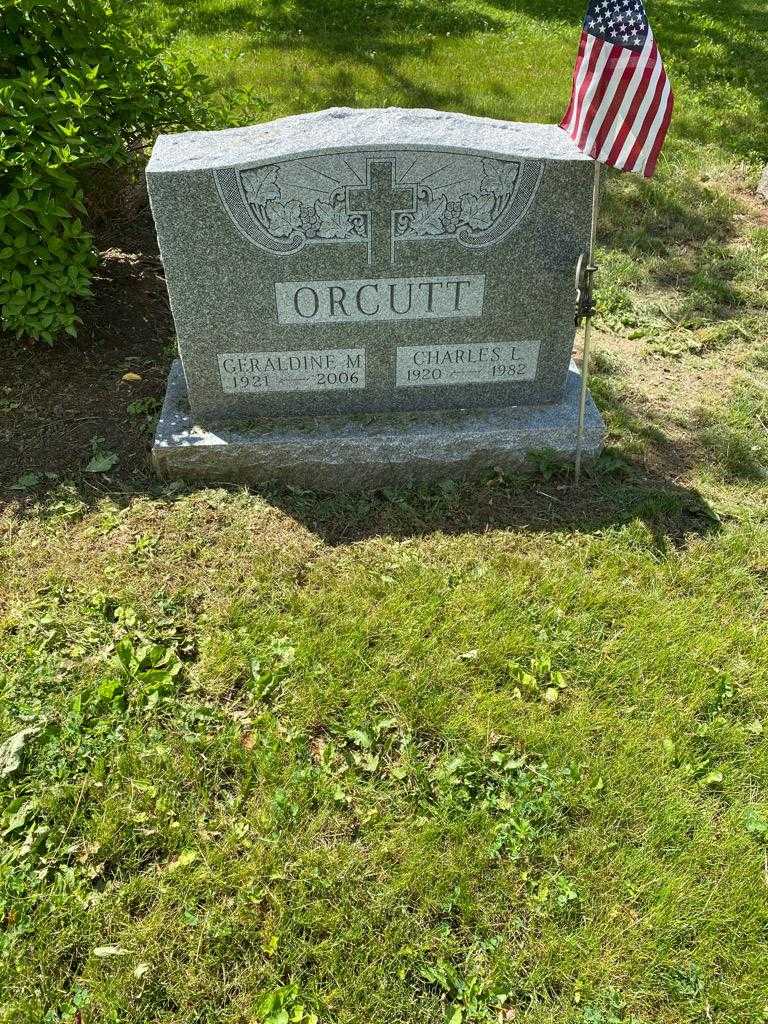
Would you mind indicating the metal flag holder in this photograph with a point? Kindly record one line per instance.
(585, 309)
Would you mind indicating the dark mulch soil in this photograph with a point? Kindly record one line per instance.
(55, 400)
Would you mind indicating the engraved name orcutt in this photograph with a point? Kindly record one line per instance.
(376, 299)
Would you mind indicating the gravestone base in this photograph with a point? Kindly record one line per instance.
(368, 450)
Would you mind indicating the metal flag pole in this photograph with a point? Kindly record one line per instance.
(585, 308)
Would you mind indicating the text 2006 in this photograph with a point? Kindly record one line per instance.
(331, 378)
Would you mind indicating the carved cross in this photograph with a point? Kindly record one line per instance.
(381, 200)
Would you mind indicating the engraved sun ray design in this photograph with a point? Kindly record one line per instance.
(353, 171)
(438, 170)
(323, 174)
(343, 197)
(407, 170)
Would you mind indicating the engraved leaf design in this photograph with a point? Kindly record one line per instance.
(334, 222)
(428, 219)
(499, 176)
(477, 211)
(261, 185)
(283, 218)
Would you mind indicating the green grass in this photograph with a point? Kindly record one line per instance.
(486, 752)
(509, 58)
(676, 251)
(489, 772)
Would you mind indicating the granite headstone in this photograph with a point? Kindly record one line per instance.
(328, 268)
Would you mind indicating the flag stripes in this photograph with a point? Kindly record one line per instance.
(621, 102)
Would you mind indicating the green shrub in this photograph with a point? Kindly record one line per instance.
(81, 84)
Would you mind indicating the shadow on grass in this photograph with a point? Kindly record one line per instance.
(333, 27)
(527, 502)
(376, 34)
(715, 45)
(680, 229)
(676, 220)
(60, 404)
(614, 492)
(519, 502)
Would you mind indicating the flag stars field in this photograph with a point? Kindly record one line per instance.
(621, 104)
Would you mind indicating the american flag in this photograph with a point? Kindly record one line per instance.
(622, 101)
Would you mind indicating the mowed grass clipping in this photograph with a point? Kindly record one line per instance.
(482, 777)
